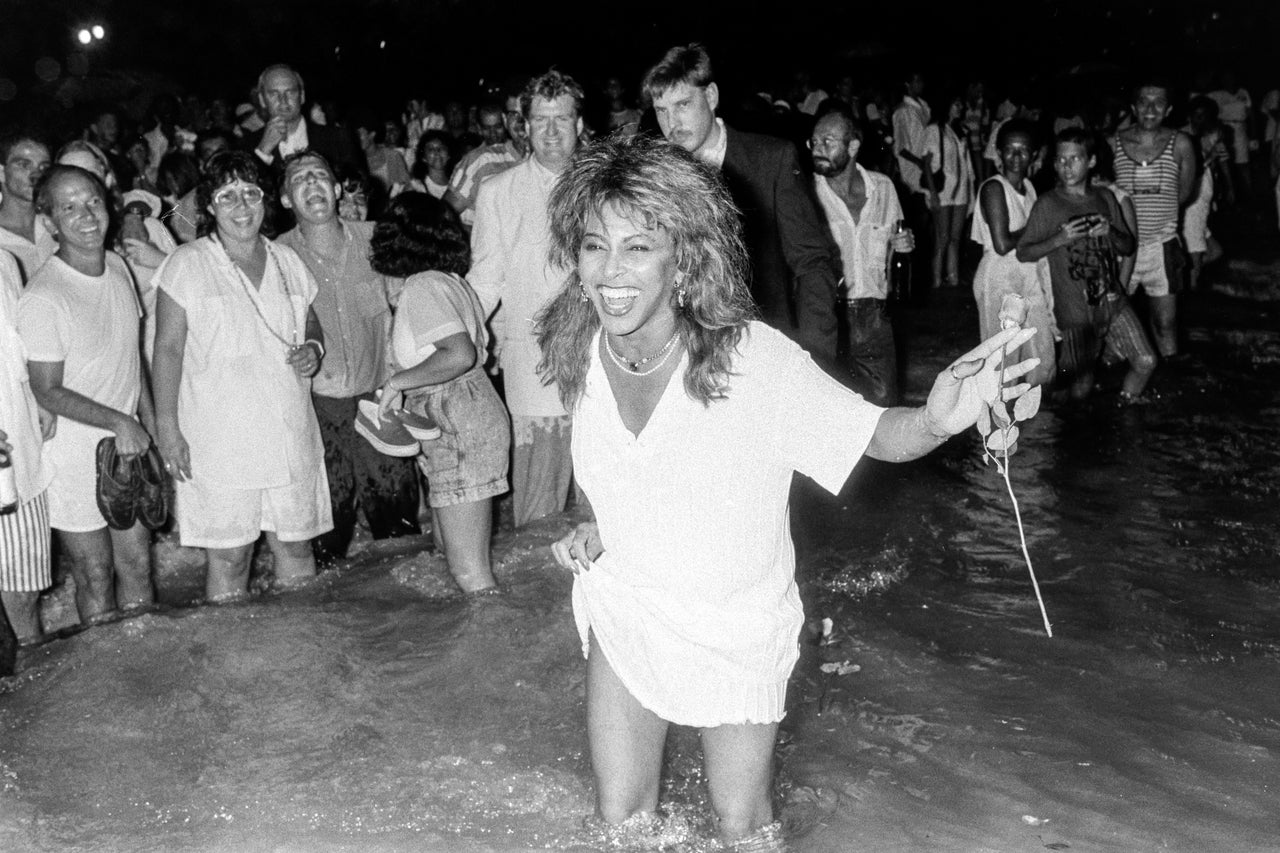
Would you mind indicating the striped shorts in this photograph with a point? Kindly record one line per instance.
(24, 547)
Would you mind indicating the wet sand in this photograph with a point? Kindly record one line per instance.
(378, 711)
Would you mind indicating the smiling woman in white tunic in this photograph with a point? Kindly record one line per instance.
(236, 346)
(689, 421)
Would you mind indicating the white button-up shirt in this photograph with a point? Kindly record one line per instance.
(864, 245)
(245, 413)
(909, 122)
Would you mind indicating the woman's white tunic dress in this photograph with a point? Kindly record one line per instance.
(694, 601)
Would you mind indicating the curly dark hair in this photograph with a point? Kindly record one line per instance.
(223, 168)
(419, 233)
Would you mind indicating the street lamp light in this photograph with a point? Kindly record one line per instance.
(84, 36)
(98, 31)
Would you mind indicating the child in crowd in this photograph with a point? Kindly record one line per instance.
(1080, 229)
(438, 344)
(1004, 203)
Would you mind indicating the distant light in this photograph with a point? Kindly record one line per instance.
(99, 32)
(84, 36)
(382, 44)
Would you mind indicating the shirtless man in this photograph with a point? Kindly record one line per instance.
(1156, 165)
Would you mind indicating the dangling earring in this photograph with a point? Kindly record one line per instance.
(582, 290)
(680, 298)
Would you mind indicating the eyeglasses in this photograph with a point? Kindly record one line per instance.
(230, 196)
(824, 143)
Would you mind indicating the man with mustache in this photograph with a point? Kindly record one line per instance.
(862, 211)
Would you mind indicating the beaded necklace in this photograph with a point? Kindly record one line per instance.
(631, 367)
(248, 291)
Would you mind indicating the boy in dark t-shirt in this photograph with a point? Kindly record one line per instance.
(1081, 230)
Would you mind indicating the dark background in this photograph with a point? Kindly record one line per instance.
(446, 48)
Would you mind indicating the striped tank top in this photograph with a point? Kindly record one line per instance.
(1153, 185)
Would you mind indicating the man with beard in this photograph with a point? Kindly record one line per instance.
(794, 266)
(351, 304)
(863, 212)
(23, 159)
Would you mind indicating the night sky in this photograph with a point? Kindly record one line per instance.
(378, 51)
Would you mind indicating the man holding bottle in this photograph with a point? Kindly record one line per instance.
(865, 218)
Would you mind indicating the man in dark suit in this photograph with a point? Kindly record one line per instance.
(281, 96)
(795, 266)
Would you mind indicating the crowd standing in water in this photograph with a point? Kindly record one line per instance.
(276, 319)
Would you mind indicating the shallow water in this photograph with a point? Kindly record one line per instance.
(376, 712)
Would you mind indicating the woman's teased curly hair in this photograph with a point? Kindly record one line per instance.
(660, 186)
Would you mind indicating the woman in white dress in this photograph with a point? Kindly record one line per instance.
(1004, 203)
(948, 153)
(237, 343)
(689, 421)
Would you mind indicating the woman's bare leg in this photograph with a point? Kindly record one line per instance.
(626, 744)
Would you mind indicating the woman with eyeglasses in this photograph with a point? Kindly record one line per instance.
(236, 346)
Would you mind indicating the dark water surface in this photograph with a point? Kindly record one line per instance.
(376, 712)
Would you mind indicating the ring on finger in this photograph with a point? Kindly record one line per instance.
(952, 370)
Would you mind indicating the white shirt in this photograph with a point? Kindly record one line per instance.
(433, 306)
(694, 600)
(714, 156)
(62, 315)
(18, 413)
(909, 121)
(1270, 103)
(29, 255)
(294, 141)
(509, 247)
(952, 156)
(864, 245)
(245, 413)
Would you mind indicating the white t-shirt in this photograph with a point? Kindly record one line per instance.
(434, 305)
(91, 325)
(694, 599)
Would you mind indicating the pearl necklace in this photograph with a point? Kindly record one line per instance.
(292, 341)
(631, 367)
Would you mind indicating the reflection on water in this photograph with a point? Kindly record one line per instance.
(375, 711)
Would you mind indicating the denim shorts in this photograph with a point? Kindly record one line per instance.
(468, 462)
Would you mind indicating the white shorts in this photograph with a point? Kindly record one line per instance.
(1155, 270)
(73, 501)
(1195, 221)
(24, 547)
(213, 516)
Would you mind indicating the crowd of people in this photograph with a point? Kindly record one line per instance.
(273, 320)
